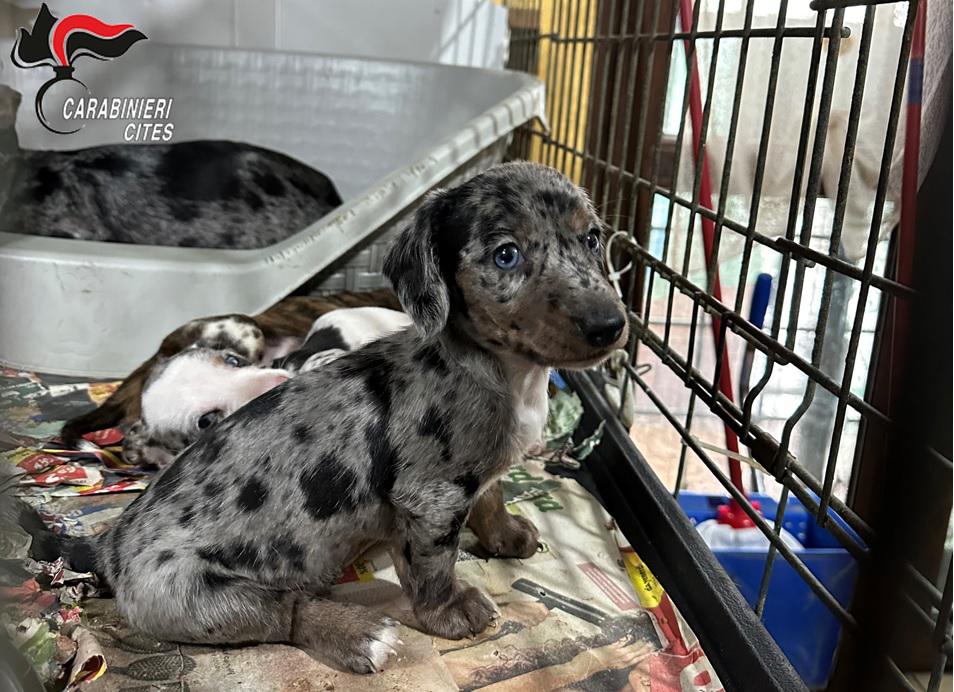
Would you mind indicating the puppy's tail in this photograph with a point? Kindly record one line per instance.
(48, 546)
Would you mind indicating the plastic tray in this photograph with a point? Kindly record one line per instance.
(386, 133)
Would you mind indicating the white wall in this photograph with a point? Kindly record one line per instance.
(460, 32)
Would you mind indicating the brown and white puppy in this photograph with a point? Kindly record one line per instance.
(193, 390)
(186, 395)
(281, 328)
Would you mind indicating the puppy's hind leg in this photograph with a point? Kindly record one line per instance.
(233, 611)
(352, 636)
(501, 533)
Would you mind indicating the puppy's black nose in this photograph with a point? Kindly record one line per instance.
(601, 327)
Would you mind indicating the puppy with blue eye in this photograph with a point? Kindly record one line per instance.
(189, 392)
(401, 441)
(259, 339)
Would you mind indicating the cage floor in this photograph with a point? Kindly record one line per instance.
(569, 616)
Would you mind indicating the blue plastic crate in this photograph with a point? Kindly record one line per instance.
(802, 626)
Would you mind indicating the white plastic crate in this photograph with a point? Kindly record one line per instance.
(385, 132)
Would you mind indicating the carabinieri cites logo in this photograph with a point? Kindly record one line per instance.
(59, 42)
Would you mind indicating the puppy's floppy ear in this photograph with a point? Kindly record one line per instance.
(413, 269)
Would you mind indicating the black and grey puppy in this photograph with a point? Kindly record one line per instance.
(400, 441)
(212, 194)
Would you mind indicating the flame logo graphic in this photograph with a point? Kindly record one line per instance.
(57, 43)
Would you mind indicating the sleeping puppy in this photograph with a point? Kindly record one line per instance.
(193, 390)
(259, 339)
(400, 441)
(210, 194)
(186, 395)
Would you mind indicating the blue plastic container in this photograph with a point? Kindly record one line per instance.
(802, 626)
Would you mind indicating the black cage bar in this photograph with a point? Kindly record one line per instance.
(629, 117)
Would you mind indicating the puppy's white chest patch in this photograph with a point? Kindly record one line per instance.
(528, 387)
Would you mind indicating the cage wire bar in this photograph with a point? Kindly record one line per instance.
(607, 64)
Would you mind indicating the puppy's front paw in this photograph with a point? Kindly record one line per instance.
(368, 652)
(468, 613)
(515, 537)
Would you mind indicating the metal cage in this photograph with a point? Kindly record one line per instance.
(848, 408)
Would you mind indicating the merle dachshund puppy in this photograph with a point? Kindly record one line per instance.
(400, 441)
